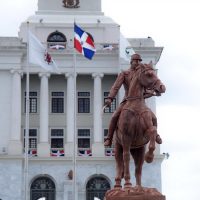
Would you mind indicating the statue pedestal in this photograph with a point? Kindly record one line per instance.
(133, 193)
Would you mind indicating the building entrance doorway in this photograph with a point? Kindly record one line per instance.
(97, 187)
(43, 187)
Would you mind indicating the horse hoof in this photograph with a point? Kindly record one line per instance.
(108, 142)
(117, 186)
(149, 158)
(158, 139)
(127, 185)
(138, 188)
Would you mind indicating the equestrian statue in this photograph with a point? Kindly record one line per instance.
(135, 127)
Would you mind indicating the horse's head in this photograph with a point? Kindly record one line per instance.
(149, 80)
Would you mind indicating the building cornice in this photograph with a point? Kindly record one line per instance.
(79, 159)
(148, 52)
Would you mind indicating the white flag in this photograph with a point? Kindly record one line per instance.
(38, 55)
(125, 48)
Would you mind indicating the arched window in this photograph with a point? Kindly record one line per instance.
(56, 40)
(43, 187)
(97, 187)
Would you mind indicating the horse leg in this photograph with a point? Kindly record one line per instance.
(152, 131)
(126, 157)
(154, 120)
(138, 157)
(119, 165)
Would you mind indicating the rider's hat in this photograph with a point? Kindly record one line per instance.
(136, 57)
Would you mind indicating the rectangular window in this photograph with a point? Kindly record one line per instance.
(32, 102)
(83, 102)
(57, 102)
(57, 142)
(84, 142)
(112, 108)
(32, 146)
(109, 151)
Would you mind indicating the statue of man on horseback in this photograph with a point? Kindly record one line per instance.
(135, 125)
(124, 79)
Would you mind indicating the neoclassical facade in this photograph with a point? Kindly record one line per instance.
(62, 105)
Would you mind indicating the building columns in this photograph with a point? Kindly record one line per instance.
(15, 144)
(43, 145)
(70, 112)
(97, 147)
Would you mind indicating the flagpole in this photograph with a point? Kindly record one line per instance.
(26, 121)
(75, 131)
(78, 33)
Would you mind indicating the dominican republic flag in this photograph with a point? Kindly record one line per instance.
(57, 153)
(84, 42)
(85, 153)
(32, 152)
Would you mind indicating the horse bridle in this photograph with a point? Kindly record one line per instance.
(153, 86)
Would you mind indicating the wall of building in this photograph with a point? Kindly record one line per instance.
(11, 179)
(5, 109)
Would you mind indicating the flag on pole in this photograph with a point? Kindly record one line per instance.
(84, 42)
(125, 48)
(39, 55)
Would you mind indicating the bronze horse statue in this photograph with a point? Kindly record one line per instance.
(137, 125)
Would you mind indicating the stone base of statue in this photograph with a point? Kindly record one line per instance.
(133, 193)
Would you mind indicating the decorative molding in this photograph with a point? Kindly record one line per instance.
(100, 75)
(42, 74)
(15, 71)
(70, 74)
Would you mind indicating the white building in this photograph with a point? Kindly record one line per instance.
(51, 135)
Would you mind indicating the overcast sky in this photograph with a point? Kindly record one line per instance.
(173, 24)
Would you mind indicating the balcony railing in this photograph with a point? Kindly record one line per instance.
(32, 152)
(84, 152)
(109, 151)
(57, 152)
(68, 47)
